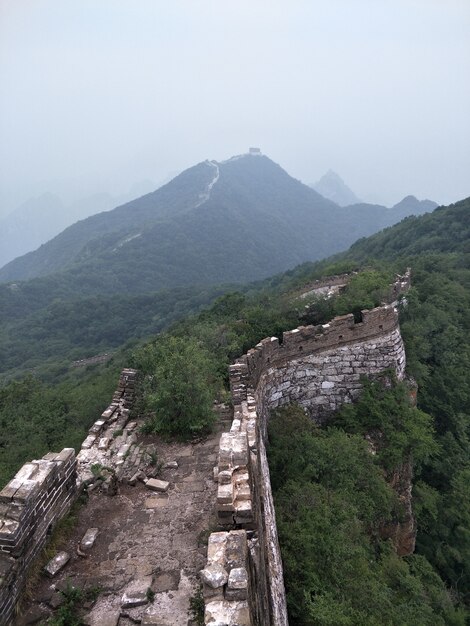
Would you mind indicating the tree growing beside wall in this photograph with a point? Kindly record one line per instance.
(401, 430)
(179, 387)
(331, 497)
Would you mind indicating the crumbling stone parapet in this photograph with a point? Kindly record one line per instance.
(111, 440)
(225, 579)
(32, 503)
(42, 492)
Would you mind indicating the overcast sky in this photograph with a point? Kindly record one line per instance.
(100, 94)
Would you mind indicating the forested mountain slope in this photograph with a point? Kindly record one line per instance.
(235, 221)
(130, 271)
(435, 324)
(331, 501)
(447, 229)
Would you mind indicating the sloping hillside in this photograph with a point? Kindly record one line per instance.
(235, 221)
(447, 229)
(339, 497)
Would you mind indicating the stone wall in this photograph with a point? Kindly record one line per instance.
(42, 492)
(226, 578)
(32, 503)
(111, 440)
(320, 368)
(326, 287)
(322, 379)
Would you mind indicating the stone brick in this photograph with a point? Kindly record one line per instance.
(214, 575)
(237, 585)
(57, 563)
(154, 484)
(88, 539)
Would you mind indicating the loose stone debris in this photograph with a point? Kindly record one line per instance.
(57, 563)
(89, 539)
(157, 485)
(149, 541)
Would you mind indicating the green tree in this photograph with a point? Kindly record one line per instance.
(332, 496)
(397, 428)
(182, 387)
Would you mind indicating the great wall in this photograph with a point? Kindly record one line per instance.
(226, 480)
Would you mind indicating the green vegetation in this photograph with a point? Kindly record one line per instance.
(69, 613)
(366, 290)
(331, 497)
(45, 338)
(178, 390)
(36, 417)
(331, 493)
(436, 329)
(445, 230)
(196, 607)
(398, 430)
(129, 273)
(257, 221)
(337, 570)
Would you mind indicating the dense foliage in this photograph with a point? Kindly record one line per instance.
(331, 497)
(47, 339)
(36, 417)
(435, 324)
(436, 329)
(396, 429)
(178, 389)
(334, 499)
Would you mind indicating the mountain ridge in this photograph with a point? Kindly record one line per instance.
(232, 221)
(41, 218)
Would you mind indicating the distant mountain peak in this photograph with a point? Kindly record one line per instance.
(415, 206)
(333, 187)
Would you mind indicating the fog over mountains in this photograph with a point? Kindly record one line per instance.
(44, 216)
(333, 187)
(233, 221)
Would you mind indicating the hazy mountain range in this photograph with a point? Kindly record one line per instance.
(42, 217)
(333, 187)
(233, 221)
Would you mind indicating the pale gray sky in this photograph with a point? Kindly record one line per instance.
(99, 94)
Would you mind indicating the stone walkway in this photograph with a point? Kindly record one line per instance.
(146, 540)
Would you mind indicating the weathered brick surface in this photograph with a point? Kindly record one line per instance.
(30, 506)
(226, 580)
(112, 439)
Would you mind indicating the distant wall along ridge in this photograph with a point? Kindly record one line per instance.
(318, 367)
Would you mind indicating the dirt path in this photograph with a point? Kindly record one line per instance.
(146, 540)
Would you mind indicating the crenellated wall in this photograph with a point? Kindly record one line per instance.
(326, 287)
(320, 368)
